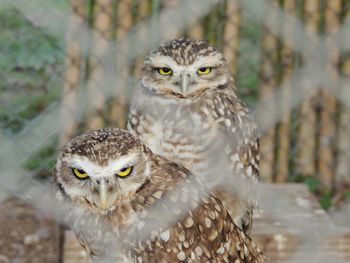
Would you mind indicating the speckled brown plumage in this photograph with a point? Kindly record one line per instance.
(184, 124)
(168, 216)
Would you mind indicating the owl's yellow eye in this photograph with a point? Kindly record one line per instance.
(81, 174)
(165, 71)
(204, 71)
(124, 172)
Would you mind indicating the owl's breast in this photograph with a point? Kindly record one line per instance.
(183, 138)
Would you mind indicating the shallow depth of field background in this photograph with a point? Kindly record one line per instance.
(68, 66)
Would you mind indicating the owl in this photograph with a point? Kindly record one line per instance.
(185, 105)
(136, 206)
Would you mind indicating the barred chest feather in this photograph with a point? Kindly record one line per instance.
(182, 133)
(187, 131)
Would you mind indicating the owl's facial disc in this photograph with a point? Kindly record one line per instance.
(167, 77)
(104, 186)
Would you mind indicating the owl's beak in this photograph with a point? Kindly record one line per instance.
(103, 195)
(185, 80)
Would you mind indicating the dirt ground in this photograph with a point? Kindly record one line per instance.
(27, 235)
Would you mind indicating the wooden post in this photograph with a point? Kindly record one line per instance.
(144, 9)
(343, 141)
(102, 25)
(231, 34)
(170, 4)
(211, 25)
(196, 30)
(306, 137)
(124, 23)
(328, 112)
(268, 76)
(283, 137)
(73, 70)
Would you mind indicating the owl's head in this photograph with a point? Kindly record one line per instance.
(102, 169)
(184, 68)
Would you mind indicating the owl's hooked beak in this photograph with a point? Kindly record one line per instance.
(103, 195)
(185, 80)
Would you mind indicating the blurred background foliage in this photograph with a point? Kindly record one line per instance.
(32, 66)
(32, 69)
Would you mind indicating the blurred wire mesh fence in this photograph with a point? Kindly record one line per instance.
(69, 66)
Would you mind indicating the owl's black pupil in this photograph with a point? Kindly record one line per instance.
(123, 170)
(166, 70)
(81, 171)
(202, 69)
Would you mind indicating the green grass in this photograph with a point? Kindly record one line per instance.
(31, 67)
(43, 161)
(30, 70)
(248, 63)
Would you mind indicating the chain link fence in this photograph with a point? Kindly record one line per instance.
(70, 66)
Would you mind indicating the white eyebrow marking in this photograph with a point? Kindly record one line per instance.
(164, 61)
(95, 170)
